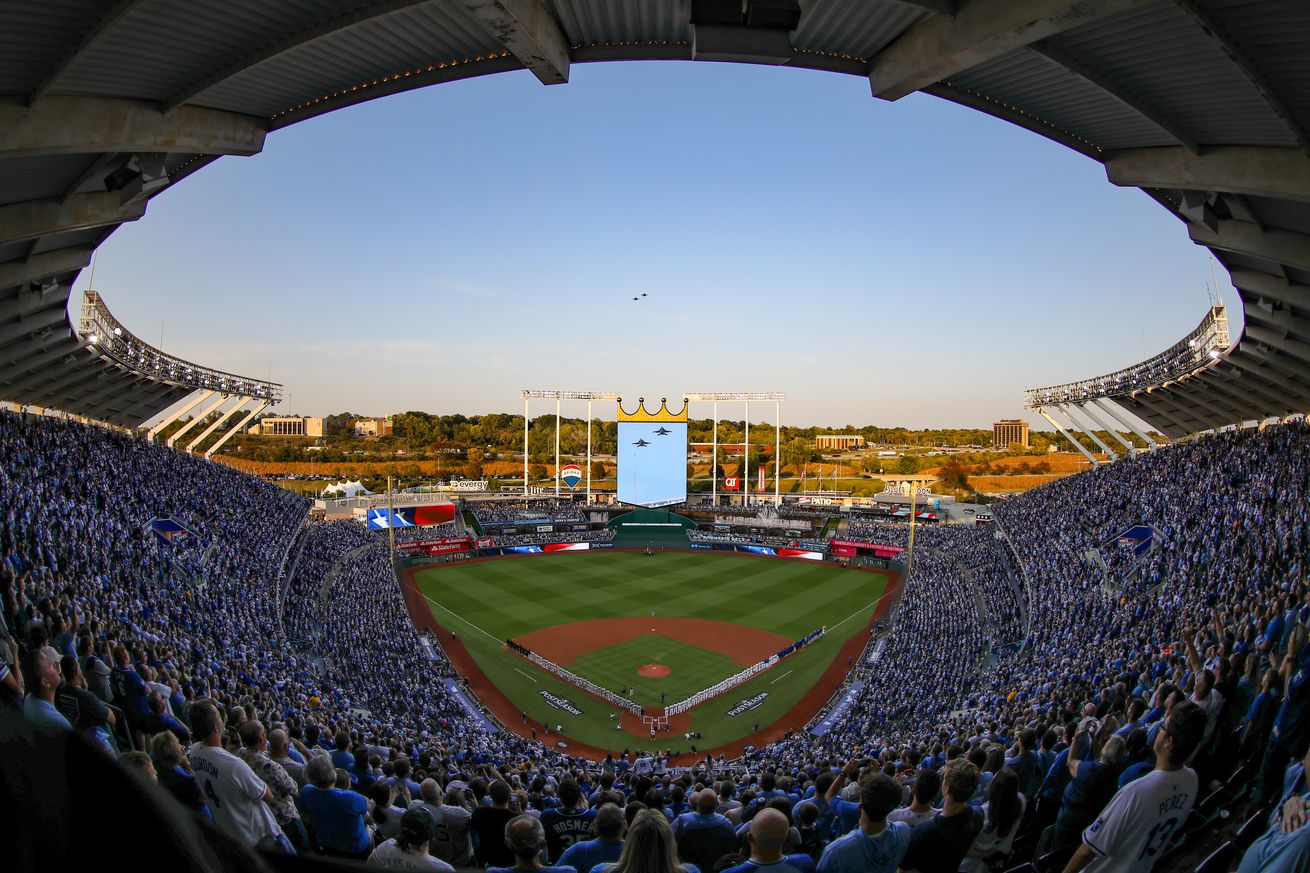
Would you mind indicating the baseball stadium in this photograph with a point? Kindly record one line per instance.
(674, 631)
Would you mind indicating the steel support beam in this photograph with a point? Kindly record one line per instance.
(1275, 381)
(1256, 171)
(1077, 445)
(529, 30)
(44, 266)
(235, 429)
(1210, 24)
(1193, 392)
(1121, 415)
(89, 38)
(89, 125)
(1116, 91)
(1093, 412)
(938, 48)
(1243, 237)
(34, 219)
(301, 39)
(1219, 389)
(222, 398)
(172, 417)
(1186, 409)
(1153, 413)
(1240, 380)
(218, 422)
(1068, 410)
(32, 353)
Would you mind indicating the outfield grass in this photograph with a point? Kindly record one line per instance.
(487, 602)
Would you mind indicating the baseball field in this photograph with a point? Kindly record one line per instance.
(655, 628)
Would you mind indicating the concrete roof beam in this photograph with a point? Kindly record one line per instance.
(88, 125)
(43, 266)
(1254, 171)
(940, 47)
(529, 31)
(34, 219)
(1277, 246)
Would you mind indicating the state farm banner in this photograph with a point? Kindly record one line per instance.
(441, 546)
(731, 483)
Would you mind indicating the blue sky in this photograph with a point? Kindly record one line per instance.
(912, 263)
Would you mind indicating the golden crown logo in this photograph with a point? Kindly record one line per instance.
(664, 414)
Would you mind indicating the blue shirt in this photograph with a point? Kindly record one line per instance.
(588, 853)
(337, 816)
(857, 852)
(846, 814)
(788, 864)
(695, 821)
(43, 716)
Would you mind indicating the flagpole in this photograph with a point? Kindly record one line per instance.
(391, 522)
(914, 493)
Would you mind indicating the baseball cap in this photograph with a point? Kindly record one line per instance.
(416, 825)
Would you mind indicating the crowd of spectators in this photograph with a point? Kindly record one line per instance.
(313, 719)
(602, 535)
(503, 512)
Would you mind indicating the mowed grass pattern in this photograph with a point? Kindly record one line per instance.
(488, 602)
(615, 667)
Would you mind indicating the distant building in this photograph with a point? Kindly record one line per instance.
(301, 426)
(839, 441)
(1010, 430)
(372, 427)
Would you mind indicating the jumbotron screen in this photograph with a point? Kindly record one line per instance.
(652, 462)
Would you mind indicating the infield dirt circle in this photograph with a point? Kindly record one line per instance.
(653, 671)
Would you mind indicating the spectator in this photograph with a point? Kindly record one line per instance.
(877, 845)
(609, 826)
(649, 847)
(940, 843)
(769, 831)
(408, 850)
(335, 814)
(526, 839)
(1139, 820)
(238, 799)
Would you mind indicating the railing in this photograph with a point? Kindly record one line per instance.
(1191, 354)
(109, 338)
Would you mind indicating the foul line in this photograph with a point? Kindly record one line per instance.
(780, 678)
(521, 673)
(461, 618)
(863, 610)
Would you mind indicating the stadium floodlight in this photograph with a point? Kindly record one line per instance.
(1199, 350)
(730, 396)
(557, 394)
(114, 342)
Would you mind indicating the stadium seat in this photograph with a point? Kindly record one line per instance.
(1220, 860)
(1251, 829)
(1054, 861)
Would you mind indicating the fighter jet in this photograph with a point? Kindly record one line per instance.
(641, 444)
(664, 431)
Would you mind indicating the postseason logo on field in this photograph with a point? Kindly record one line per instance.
(560, 703)
(571, 475)
(744, 705)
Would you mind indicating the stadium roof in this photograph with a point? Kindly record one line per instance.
(1204, 104)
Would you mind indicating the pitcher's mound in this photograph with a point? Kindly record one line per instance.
(653, 671)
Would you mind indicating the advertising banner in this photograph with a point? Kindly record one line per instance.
(440, 546)
(852, 547)
(571, 475)
(731, 483)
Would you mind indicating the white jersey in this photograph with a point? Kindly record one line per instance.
(1138, 822)
(234, 794)
(393, 857)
